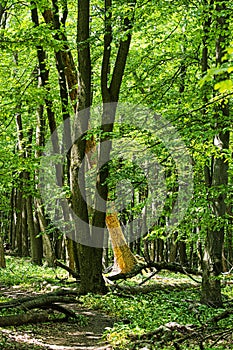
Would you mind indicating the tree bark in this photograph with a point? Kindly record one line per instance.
(110, 90)
(212, 259)
(2, 254)
(89, 257)
(125, 261)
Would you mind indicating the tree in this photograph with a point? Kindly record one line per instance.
(217, 177)
(90, 257)
(41, 87)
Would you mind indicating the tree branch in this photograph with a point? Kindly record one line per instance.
(159, 266)
(107, 51)
(63, 266)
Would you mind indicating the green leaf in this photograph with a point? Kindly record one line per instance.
(224, 86)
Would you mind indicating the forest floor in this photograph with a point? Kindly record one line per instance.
(86, 334)
(156, 313)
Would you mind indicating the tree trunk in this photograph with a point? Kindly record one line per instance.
(24, 225)
(12, 229)
(89, 257)
(182, 253)
(36, 242)
(70, 253)
(173, 247)
(125, 261)
(229, 237)
(212, 260)
(110, 90)
(18, 225)
(2, 254)
(160, 250)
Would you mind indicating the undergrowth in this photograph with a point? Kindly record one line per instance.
(142, 313)
(134, 314)
(21, 273)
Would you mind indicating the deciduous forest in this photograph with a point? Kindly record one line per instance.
(116, 174)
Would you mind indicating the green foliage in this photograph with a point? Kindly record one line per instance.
(164, 72)
(22, 273)
(142, 313)
(134, 314)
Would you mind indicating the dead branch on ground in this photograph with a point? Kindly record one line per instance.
(173, 267)
(175, 334)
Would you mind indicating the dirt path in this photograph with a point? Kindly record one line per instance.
(84, 335)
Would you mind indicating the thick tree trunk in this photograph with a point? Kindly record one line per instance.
(212, 259)
(30, 317)
(89, 257)
(183, 253)
(218, 179)
(124, 259)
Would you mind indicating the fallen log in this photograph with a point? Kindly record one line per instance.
(173, 267)
(45, 301)
(45, 305)
(114, 275)
(21, 301)
(26, 318)
(133, 290)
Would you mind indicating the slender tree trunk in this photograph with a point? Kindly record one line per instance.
(160, 250)
(18, 225)
(21, 221)
(36, 242)
(70, 252)
(2, 254)
(3, 14)
(11, 235)
(67, 76)
(24, 225)
(173, 248)
(43, 82)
